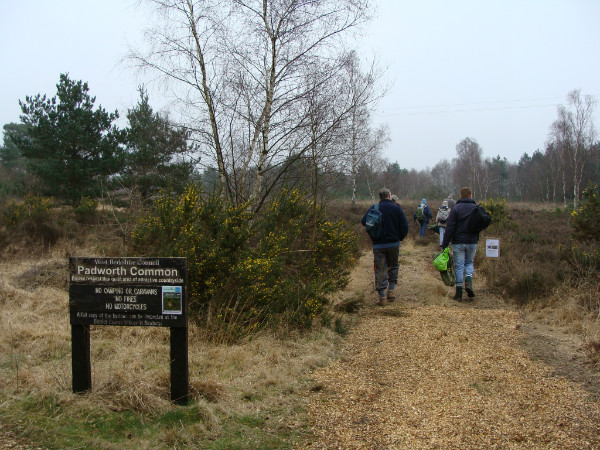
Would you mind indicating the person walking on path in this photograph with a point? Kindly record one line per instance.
(387, 246)
(464, 243)
(451, 201)
(442, 218)
(423, 216)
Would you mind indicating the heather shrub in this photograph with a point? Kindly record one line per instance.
(529, 267)
(529, 284)
(248, 272)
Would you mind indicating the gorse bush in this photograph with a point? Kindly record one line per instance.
(248, 272)
(30, 220)
(308, 255)
(582, 259)
(584, 220)
(498, 209)
(85, 211)
(33, 209)
(200, 229)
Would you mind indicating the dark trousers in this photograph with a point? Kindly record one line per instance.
(386, 267)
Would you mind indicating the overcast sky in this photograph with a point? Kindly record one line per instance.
(492, 70)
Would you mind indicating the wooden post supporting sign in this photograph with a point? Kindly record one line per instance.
(81, 360)
(179, 366)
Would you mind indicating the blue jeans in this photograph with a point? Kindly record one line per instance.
(442, 229)
(423, 229)
(464, 254)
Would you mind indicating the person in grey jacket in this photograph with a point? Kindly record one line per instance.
(451, 201)
(464, 243)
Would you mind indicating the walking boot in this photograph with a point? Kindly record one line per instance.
(469, 287)
(390, 295)
(382, 301)
(458, 295)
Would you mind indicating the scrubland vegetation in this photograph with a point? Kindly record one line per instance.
(259, 308)
(550, 258)
(263, 313)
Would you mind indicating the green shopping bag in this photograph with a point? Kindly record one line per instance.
(441, 261)
(448, 276)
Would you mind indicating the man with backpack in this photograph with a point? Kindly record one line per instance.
(387, 226)
(423, 216)
(464, 242)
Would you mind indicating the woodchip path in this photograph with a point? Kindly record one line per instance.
(426, 372)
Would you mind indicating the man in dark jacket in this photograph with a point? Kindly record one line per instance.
(386, 248)
(464, 243)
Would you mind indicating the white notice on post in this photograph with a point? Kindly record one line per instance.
(492, 248)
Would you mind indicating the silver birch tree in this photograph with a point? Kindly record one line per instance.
(237, 70)
(574, 134)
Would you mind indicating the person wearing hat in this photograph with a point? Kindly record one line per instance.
(423, 216)
(441, 218)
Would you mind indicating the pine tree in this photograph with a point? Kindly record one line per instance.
(155, 151)
(71, 147)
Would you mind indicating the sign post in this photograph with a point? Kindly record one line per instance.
(492, 251)
(80, 354)
(179, 366)
(129, 292)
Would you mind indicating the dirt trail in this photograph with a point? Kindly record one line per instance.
(426, 372)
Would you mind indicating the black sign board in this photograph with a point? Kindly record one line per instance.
(128, 291)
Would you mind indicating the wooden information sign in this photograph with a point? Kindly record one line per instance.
(492, 248)
(129, 292)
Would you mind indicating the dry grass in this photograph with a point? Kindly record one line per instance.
(576, 305)
(130, 369)
(533, 273)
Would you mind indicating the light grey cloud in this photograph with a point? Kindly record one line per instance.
(490, 70)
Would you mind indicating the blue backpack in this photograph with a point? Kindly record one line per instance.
(374, 222)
